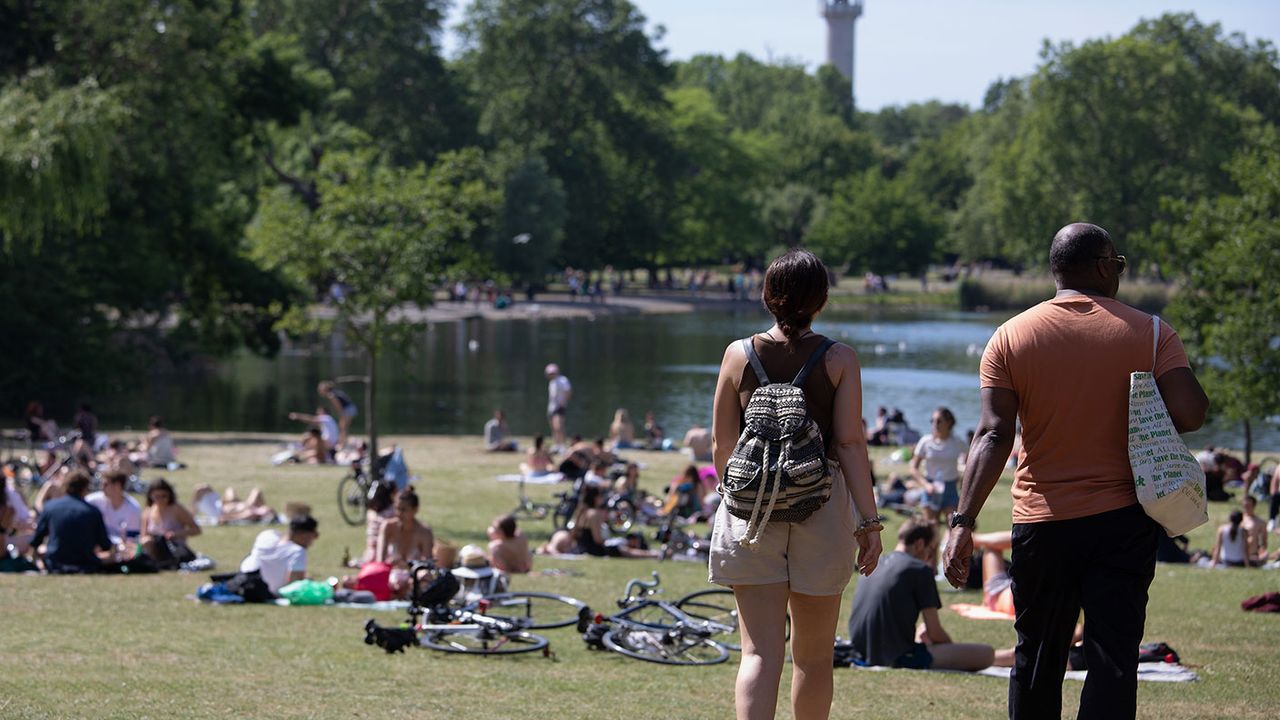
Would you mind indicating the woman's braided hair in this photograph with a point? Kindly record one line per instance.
(795, 289)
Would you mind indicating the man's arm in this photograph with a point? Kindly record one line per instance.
(935, 634)
(991, 446)
(1184, 398)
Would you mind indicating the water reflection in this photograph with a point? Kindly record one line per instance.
(457, 373)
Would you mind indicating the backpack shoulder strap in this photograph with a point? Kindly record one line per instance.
(809, 364)
(750, 349)
(1155, 342)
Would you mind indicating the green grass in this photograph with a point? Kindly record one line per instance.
(120, 647)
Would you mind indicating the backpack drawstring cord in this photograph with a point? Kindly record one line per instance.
(752, 539)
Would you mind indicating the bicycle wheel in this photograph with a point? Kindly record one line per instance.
(664, 646)
(351, 500)
(533, 610)
(564, 512)
(622, 515)
(719, 607)
(482, 641)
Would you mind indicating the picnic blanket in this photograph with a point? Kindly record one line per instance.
(978, 612)
(382, 605)
(548, 479)
(1147, 672)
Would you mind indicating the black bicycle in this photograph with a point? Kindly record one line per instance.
(663, 632)
(354, 491)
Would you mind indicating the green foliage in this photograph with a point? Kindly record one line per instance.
(55, 149)
(1105, 131)
(1228, 313)
(881, 225)
(530, 225)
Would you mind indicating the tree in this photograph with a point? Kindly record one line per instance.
(880, 225)
(579, 83)
(1228, 311)
(387, 235)
(1106, 130)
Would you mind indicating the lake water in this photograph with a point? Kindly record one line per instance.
(457, 373)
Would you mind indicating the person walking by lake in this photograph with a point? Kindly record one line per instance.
(805, 565)
(559, 392)
(1080, 539)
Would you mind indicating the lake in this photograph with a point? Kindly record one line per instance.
(458, 372)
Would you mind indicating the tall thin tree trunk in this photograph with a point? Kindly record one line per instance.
(1248, 442)
(371, 416)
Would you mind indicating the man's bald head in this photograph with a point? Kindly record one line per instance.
(1076, 248)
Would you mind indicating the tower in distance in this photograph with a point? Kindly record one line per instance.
(841, 15)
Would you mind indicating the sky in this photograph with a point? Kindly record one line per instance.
(917, 50)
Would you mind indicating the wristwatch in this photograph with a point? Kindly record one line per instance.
(965, 521)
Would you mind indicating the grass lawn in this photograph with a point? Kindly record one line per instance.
(135, 647)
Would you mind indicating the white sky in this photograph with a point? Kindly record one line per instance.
(918, 50)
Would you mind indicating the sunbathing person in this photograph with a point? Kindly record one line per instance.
(589, 533)
(403, 540)
(380, 508)
(166, 526)
(622, 432)
(117, 458)
(508, 546)
(230, 509)
(997, 586)
(323, 422)
(537, 459)
(1232, 545)
(882, 626)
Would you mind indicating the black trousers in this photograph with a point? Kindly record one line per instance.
(1104, 565)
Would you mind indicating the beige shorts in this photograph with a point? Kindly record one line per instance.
(816, 556)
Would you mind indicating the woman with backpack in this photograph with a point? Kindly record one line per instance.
(797, 491)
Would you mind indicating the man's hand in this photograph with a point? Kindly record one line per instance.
(956, 557)
(869, 550)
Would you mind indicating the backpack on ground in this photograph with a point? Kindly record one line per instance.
(778, 471)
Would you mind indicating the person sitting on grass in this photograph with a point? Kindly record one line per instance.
(997, 586)
(1255, 528)
(157, 449)
(230, 509)
(698, 442)
(403, 540)
(74, 529)
(122, 514)
(622, 433)
(538, 459)
(328, 428)
(282, 560)
(655, 436)
(496, 432)
(166, 526)
(1232, 545)
(508, 546)
(882, 626)
(588, 532)
(599, 474)
(117, 458)
(380, 508)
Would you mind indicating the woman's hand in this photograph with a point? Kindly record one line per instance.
(868, 552)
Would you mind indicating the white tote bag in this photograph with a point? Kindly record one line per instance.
(1167, 478)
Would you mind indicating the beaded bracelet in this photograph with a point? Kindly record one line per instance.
(875, 523)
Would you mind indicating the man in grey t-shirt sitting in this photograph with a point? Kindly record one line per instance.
(882, 626)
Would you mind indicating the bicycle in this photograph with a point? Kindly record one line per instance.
(493, 625)
(354, 491)
(662, 632)
(527, 508)
(25, 471)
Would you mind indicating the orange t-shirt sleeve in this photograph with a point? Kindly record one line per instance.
(994, 370)
(1170, 355)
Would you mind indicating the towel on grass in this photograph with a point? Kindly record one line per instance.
(1152, 672)
(978, 612)
(548, 479)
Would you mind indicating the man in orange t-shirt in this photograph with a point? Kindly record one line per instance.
(1080, 539)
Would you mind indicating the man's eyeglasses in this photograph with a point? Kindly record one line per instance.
(1117, 258)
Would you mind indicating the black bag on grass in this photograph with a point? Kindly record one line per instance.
(248, 585)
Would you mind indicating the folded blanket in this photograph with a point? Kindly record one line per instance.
(548, 479)
(1147, 672)
(978, 612)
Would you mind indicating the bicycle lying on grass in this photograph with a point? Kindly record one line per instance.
(698, 629)
(494, 625)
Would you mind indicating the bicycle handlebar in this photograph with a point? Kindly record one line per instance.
(648, 587)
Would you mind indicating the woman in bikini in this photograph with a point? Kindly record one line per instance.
(166, 526)
(403, 540)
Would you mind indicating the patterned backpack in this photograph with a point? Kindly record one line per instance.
(778, 470)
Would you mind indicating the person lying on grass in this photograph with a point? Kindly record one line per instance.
(588, 532)
(882, 626)
(282, 560)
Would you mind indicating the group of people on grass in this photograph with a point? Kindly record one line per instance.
(327, 438)
(84, 445)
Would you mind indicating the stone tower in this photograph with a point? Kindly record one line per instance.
(841, 15)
